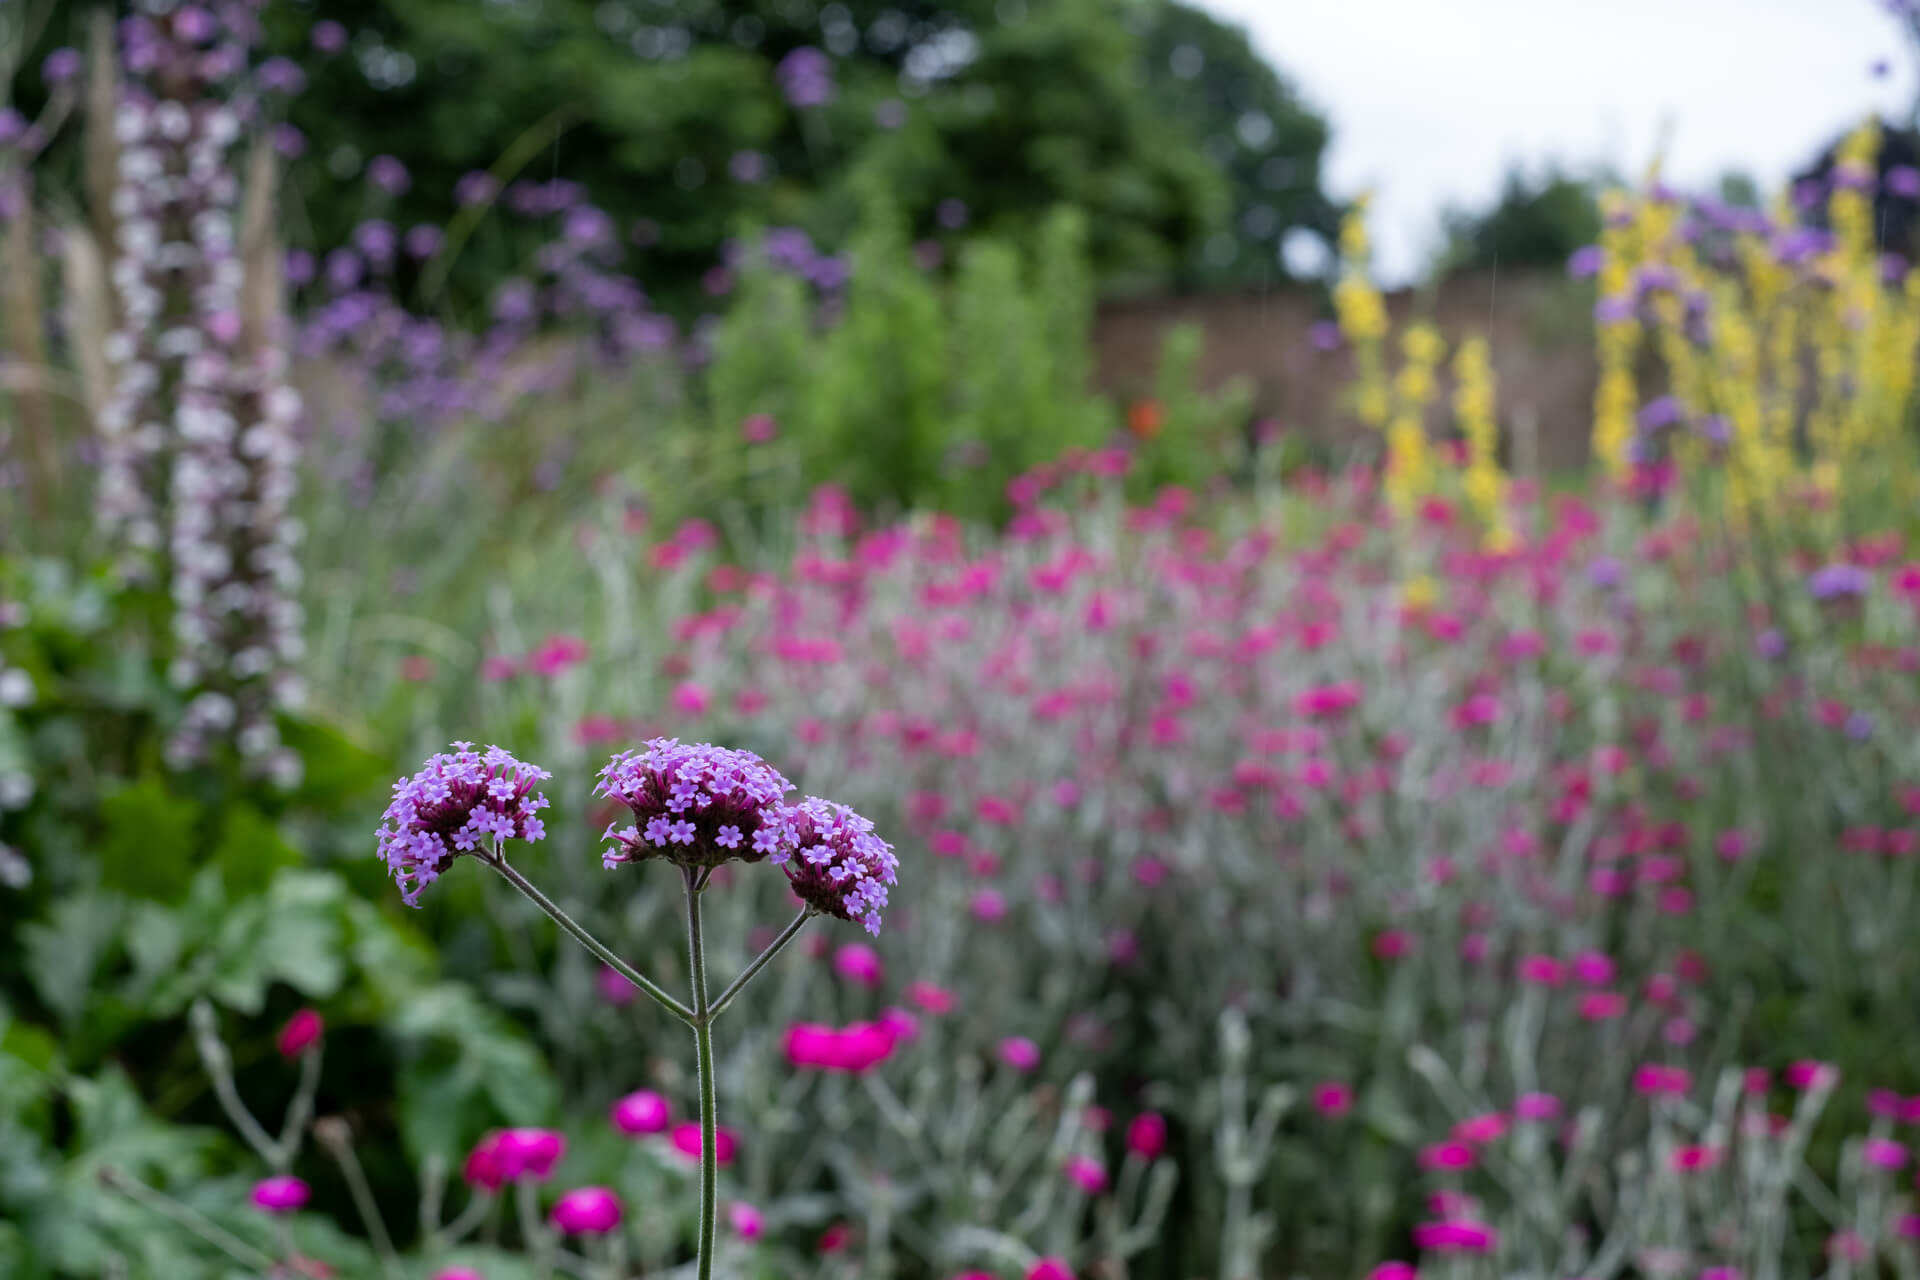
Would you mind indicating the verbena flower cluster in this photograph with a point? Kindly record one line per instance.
(198, 452)
(453, 805)
(835, 861)
(695, 805)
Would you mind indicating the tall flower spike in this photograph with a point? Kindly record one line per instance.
(836, 863)
(694, 804)
(454, 804)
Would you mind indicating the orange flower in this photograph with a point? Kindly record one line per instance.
(1145, 419)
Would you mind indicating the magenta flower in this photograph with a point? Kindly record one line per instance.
(530, 1153)
(1457, 1236)
(855, 1049)
(1536, 1106)
(858, 962)
(1050, 1269)
(279, 1194)
(454, 805)
(1020, 1053)
(1087, 1173)
(1333, 1099)
(303, 1029)
(836, 864)
(686, 1140)
(1147, 1135)
(696, 805)
(587, 1211)
(1394, 1271)
(641, 1112)
(745, 1220)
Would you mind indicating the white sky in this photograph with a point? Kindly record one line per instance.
(1430, 99)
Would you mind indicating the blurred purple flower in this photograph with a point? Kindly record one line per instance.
(281, 75)
(1903, 180)
(748, 167)
(1839, 581)
(1586, 261)
(423, 240)
(61, 66)
(389, 175)
(475, 188)
(288, 141)
(328, 36)
(805, 76)
(951, 213)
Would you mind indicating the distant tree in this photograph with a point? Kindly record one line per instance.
(1253, 124)
(688, 119)
(1537, 221)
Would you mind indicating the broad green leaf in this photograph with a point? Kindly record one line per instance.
(148, 846)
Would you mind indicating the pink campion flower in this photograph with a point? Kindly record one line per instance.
(1333, 1098)
(587, 1211)
(1147, 1135)
(1593, 968)
(1391, 944)
(1884, 1153)
(1050, 1269)
(282, 1193)
(834, 861)
(1446, 1155)
(745, 1220)
(1480, 1130)
(1694, 1159)
(859, 963)
(1536, 1106)
(898, 1023)
(1884, 1103)
(691, 699)
(485, 1168)
(1808, 1073)
(930, 997)
(1394, 1271)
(641, 1112)
(615, 988)
(557, 653)
(1908, 1227)
(835, 1238)
(1733, 845)
(1656, 1080)
(458, 1273)
(1086, 1173)
(302, 1032)
(1542, 971)
(1459, 1235)
(1849, 1246)
(496, 667)
(695, 805)
(988, 906)
(1721, 1273)
(1020, 1053)
(1756, 1081)
(686, 1140)
(531, 1153)
(456, 803)
(1602, 1006)
(759, 428)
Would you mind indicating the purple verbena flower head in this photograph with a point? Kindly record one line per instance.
(61, 66)
(1839, 581)
(1903, 180)
(836, 863)
(806, 77)
(451, 806)
(1586, 262)
(695, 805)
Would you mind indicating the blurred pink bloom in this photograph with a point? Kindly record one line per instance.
(1594, 968)
(587, 1211)
(1884, 1153)
(1808, 1073)
(614, 987)
(1394, 1271)
(498, 667)
(857, 962)
(1050, 1269)
(1694, 1159)
(279, 1194)
(1087, 1173)
(686, 1140)
(556, 654)
(1147, 1135)
(1536, 1106)
(1391, 944)
(745, 1220)
(1480, 1130)
(1446, 1155)
(1020, 1053)
(303, 1030)
(932, 998)
(1333, 1098)
(690, 699)
(759, 428)
(641, 1112)
(1455, 1236)
(1601, 1006)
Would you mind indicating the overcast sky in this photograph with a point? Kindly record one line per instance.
(1431, 99)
